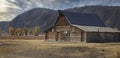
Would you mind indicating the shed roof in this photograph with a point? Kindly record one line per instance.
(83, 19)
(95, 29)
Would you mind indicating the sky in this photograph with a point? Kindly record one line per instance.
(11, 8)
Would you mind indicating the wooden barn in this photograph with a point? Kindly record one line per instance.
(70, 26)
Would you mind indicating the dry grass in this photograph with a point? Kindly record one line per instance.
(42, 49)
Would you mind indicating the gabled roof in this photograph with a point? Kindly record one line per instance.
(95, 29)
(83, 19)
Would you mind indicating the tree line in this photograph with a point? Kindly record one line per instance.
(24, 31)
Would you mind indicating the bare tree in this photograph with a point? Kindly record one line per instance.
(0, 32)
(26, 30)
(36, 30)
(18, 32)
(30, 31)
(11, 31)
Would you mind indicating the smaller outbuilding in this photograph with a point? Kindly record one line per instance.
(71, 26)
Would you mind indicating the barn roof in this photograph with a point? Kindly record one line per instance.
(95, 29)
(83, 19)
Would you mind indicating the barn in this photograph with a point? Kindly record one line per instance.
(70, 26)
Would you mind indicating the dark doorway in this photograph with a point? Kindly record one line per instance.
(83, 36)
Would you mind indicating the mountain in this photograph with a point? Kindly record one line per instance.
(35, 17)
(4, 26)
(45, 17)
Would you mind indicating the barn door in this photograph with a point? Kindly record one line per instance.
(62, 36)
(59, 36)
(83, 36)
(66, 35)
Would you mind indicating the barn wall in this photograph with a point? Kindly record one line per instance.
(58, 32)
(62, 28)
(52, 35)
(117, 37)
(62, 20)
(102, 37)
(74, 33)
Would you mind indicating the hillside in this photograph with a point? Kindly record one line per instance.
(44, 17)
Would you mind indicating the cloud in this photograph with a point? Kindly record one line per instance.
(56, 4)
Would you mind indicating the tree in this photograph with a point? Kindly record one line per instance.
(18, 32)
(36, 30)
(26, 30)
(0, 32)
(30, 31)
(11, 31)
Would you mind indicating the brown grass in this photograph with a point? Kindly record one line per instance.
(42, 49)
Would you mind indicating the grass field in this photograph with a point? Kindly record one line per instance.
(42, 49)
